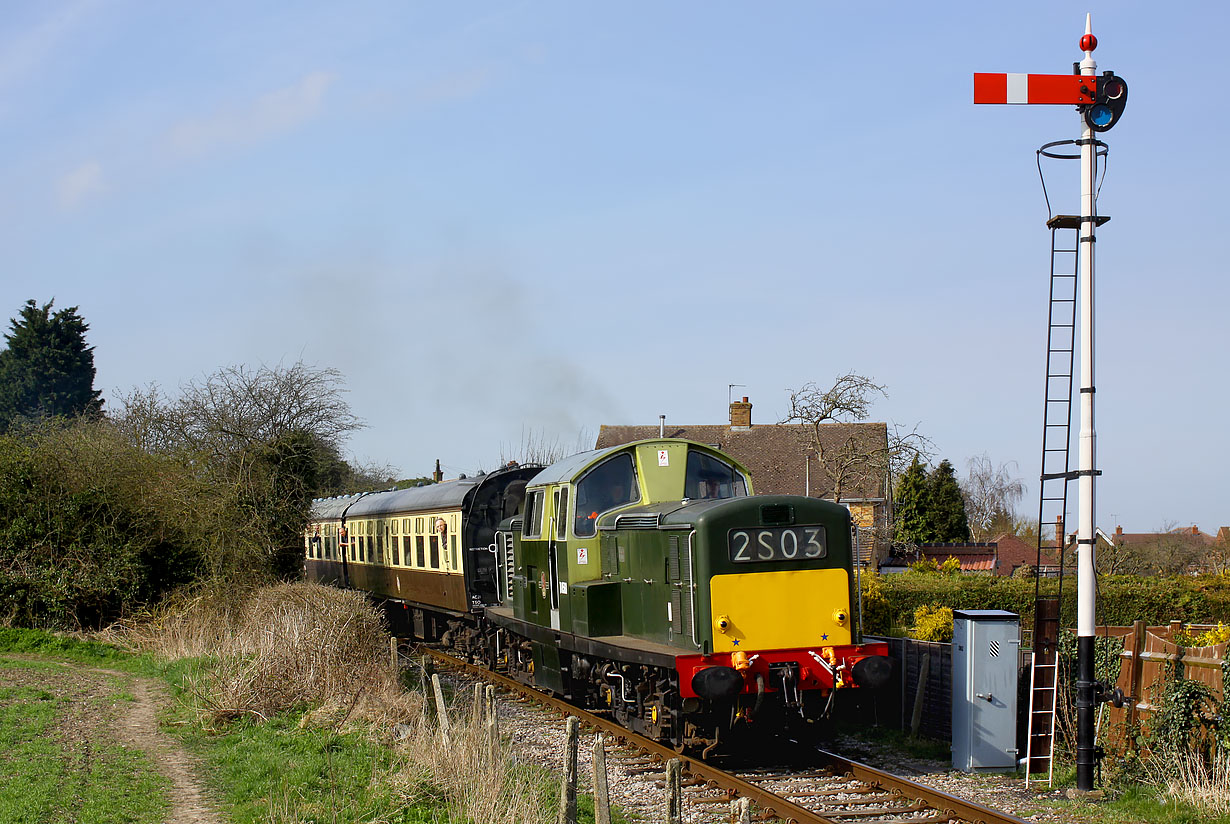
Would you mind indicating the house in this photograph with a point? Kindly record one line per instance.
(846, 462)
(1192, 550)
(975, 558)
(1014, 553)
(1001, 557)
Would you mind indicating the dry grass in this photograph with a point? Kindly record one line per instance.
(494, 788)
(1189, 779)
(279, 647)
(304, 646)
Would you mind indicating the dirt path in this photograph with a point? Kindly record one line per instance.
(133, 723)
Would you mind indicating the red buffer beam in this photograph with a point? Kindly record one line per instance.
(1022, 89)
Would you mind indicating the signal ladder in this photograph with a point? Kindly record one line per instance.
(1056, 472)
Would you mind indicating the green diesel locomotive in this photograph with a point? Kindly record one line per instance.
(645, 579)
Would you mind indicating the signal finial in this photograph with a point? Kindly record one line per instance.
(1088, 42)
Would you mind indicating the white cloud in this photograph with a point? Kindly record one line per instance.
(80, 183)
(274, 113)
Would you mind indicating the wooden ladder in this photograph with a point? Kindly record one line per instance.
(1043, 690)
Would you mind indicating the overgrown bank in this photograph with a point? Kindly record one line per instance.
(287, 696)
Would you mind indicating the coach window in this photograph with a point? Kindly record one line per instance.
(452, 546)
(710, 477)
(609, 485)
(435, 551)
(420, 556)
(533, 515)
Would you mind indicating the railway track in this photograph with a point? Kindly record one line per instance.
(827, 789)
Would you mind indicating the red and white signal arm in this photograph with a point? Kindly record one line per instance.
(1029, 89)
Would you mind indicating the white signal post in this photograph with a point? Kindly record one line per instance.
(1086, 582)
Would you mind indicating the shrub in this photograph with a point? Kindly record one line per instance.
(932, 623)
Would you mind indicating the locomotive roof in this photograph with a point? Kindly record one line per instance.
(668, 514)
(567, 469)
(444, 495)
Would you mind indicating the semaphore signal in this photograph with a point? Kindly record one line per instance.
(1100, 101)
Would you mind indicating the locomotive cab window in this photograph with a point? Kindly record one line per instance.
(533, 515)
(607, 486)
(708, 477)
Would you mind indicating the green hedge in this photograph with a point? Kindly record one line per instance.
(890, 600)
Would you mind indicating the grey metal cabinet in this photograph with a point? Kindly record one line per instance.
(985, 643)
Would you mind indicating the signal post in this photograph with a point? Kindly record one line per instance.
(1100, 101)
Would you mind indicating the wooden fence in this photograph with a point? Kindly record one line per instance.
(1147, 653)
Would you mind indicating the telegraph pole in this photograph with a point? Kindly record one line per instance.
(1100, 101)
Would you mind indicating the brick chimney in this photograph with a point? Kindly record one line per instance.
(1195, 529)
(1119, 532)
(741, 414)
(1059, 536)
(438, 475)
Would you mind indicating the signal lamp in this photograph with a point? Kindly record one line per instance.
(1108, 102)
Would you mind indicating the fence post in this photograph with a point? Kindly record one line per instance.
(674, 791)
(1135, 674)
(602, 794)
(493, 724)
(394, 664)
(441, 709)
(476, 708)
(924, 670)
(568, 783)
(741, 811)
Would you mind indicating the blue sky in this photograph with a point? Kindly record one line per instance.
(539, 217)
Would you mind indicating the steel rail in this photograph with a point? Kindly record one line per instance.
(771, 803)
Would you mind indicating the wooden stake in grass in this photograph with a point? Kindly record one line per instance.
(568, 783)
(394, 663)
(602, 794)
(674, 791)
(476, 710)
(741, 811)
(441, 709)
(493, 727)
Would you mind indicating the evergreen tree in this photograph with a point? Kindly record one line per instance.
(47, 370)
(947, 506)
(911, 507)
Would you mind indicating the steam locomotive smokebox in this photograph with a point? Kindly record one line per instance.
(985, 643)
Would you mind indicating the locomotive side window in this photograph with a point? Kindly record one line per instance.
(533, 515)
(709, 477)
(608, 485)
(561, 513)
(782, 543)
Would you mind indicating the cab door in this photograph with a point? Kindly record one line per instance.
(556, 544)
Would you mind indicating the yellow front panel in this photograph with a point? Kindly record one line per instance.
(780, 610)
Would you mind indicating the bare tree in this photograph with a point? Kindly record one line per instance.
(855, 455)
(539, 447)
(991, 494)
(257, 444)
